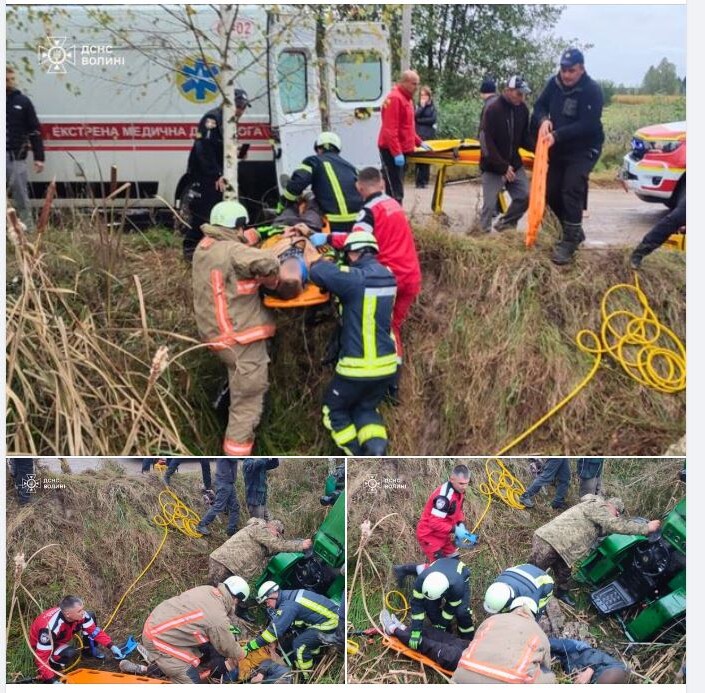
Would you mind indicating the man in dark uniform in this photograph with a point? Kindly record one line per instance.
(312, 615)
(571, 103)
(367, 358)
(590, 664)
(22, 134)
(442, 592)
(659, 234)
(332, 180)
(205, 170)
(527, 582)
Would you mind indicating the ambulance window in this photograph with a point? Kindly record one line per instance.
(293, 88)
(358, 76)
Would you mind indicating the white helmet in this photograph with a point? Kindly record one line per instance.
(528, 602)
(497, 597)
(266, 590)
(237, 587)
(434, 585)
(328, 140)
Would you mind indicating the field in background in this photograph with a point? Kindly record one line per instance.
(649, 488)
(100, 534)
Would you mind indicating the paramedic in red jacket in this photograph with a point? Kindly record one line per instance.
(384, 217)
(51, 637)
(441, 514)
(398, 137)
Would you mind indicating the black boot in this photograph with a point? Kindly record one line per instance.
(565, 597)
(403, 571)
(639, 253)
(571, 238)
(375, 447)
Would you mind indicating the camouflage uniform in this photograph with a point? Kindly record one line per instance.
(177, 629)
(232, 319)
(246, 552)
(507, 648)
(567, 538)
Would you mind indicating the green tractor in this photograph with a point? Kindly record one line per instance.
(318, 568)
(641, 580)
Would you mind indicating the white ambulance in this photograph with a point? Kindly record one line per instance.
(124, 86)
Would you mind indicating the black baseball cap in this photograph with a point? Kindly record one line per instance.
(488, 86)
(517, 82)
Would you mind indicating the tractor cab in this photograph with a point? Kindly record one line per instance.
(318, 568)
(641, 580)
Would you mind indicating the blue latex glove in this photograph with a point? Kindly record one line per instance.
(399, 160)
(460, 530)
(117, 652)
(318, 239)
(415, 639)
(470, 538)
(426, 147)
(57, 681)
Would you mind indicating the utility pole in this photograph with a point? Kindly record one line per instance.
(406, 37)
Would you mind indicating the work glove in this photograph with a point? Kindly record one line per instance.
(415, 639)
(399, 160)
(318, 239)
(469, 538)
(426, 147)
(117, 652)
(248, 648)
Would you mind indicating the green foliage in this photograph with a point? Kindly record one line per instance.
(661, 79)
(609, 89)
(456, 45)
(459, 118)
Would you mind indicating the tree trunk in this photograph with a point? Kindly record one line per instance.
(227, 76)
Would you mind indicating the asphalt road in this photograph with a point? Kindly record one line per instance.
(615, 218)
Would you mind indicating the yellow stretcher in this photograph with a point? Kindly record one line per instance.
(93, 676)
(312, 295)
(446, 153)
(400, 647)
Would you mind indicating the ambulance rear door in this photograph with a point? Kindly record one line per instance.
(358, 57)
(294, 102)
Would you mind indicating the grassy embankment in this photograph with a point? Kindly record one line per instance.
(649, 489)
(490, 348)
(100, 535)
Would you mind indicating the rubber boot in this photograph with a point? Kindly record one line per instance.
(403, 571)
(375, 447)
(639, 253)
(565, 597)
(571, 238)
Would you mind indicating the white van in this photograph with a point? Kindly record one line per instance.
(125, 86)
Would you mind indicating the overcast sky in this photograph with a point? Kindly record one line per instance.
(627, 39)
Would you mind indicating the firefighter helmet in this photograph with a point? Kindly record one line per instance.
(497, 597)
(328, 140)
(434, 585)
(238, 587)
(528, 602)
(359, 240)
(230, 214)
(266, 590)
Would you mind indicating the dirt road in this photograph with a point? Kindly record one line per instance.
(615, 218)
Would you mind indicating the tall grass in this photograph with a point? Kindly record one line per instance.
(649, 488)
(103, 535)
(489, 348)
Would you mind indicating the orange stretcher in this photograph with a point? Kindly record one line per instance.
(537, 192)
(312, 295)
(400, 647)
(446, 153)
(93, 676)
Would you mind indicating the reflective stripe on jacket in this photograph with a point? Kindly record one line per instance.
(526, 580)
(436, 522)
(180, 625)
(458, 575)
(226, 279)
(332, 180)
(366, 291)
(298, 609)
(510, 648)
